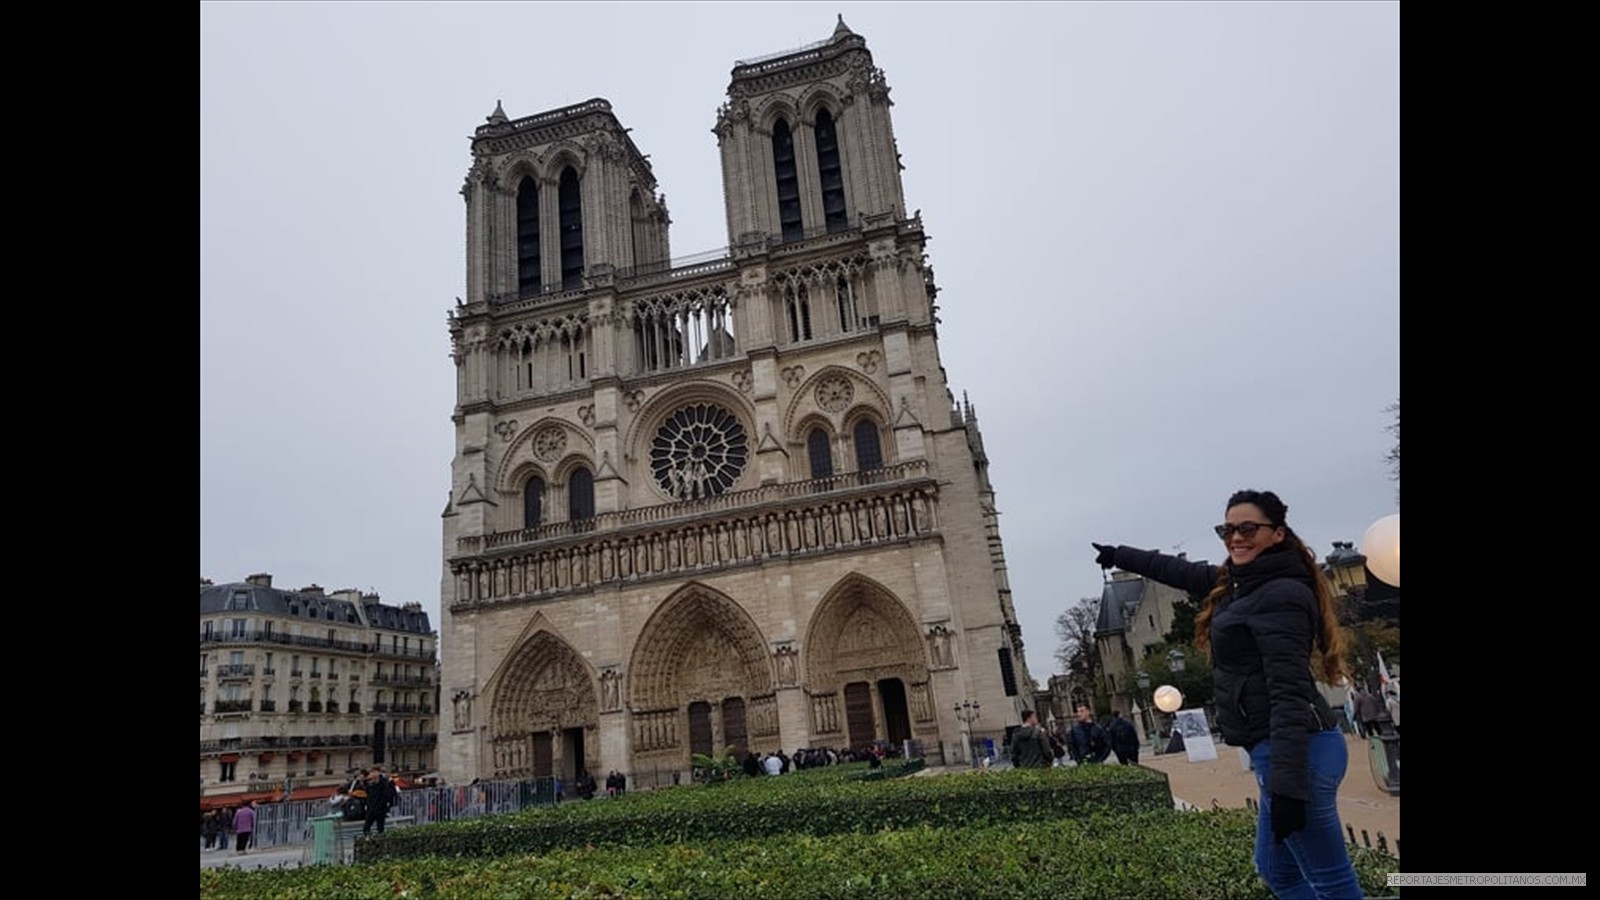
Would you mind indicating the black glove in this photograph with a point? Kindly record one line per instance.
(1288, 816)
(1107, 556)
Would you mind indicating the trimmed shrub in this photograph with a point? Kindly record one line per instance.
(758, 807)
(1157, 854)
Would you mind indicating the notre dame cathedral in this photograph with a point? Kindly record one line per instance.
(724, 501)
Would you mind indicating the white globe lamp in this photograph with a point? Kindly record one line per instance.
(1168, 699)
(1381, 546)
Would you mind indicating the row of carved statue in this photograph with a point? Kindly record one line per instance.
(698, 547)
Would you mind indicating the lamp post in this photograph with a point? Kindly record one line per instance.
(967, 712)
(1146, 721)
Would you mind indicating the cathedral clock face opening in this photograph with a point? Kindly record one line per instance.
(698, 452)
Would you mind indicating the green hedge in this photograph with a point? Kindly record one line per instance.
(1158, 854)
(756, 807)
(889, 770)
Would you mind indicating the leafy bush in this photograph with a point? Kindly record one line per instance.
(889, 770)
(754, 807)
(1155, 854)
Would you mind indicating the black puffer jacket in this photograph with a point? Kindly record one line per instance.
(1261, 637)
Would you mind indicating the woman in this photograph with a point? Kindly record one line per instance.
(1268, 618)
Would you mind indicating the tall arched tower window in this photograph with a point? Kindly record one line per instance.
(818, 452)
(571, 204)
(528, 235)
(833, 209)
(869, 453)
(783, 164)
(532, 501)
(580, 495)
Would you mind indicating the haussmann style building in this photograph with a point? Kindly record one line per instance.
(724, 501)
(300, 687)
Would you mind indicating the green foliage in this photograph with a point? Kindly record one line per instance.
(1152, 854)
(897, 769)
(823, 804)
(1195, 679)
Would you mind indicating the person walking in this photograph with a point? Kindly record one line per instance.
(1124, 739)
(1030, 746)
(1268, 618)
(244, 826)
(1087, 742)
(380, 796)
(212, 828)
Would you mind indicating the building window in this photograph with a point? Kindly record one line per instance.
(788, 182)
(580, 495)
(797, 303)
(833, 209)
(239, 600)
(571, 204)
(206, 630)
(820, 454)
(236, 658)
(1008, 675)
(230, 771)
(532, 502)
(236, 629)
(869, 454)
(528, 236)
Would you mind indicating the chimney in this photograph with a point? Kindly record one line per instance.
(260, 579)
(413, 606)
(314, 590)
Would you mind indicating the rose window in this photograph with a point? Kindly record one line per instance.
(698, 452)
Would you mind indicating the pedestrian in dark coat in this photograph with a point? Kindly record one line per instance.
(380, 796)
(1124, 739)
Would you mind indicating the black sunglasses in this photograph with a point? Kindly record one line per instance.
(1246, 530)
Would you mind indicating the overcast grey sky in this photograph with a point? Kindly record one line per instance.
(1166, 234)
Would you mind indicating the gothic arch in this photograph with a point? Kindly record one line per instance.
(803, 404)
(817, 98)
(520, 453)
(698, 645)
(655, 411)
(774, 107)
(861, 630)
(543, 686)
(514, 169)
(559, 156)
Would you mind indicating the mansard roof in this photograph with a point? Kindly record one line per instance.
(312, 605)
(1118, 600)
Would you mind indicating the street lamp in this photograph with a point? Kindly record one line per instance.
(1381, 544)
(967, 712)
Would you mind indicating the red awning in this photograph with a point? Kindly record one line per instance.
(265, 757)
(217, 801)
(313, 754)
(230, 757)
(295, 755)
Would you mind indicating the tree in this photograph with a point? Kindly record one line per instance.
(1393, 458)
(1183, 616)
(1072, 625)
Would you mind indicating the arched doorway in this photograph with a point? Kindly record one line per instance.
(700, 680)
(543, 713)
(866, 670)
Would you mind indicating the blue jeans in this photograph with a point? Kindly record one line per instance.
(1312, 862)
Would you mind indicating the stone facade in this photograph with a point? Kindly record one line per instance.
(728, 501)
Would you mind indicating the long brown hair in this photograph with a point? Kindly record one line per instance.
(1328, 650)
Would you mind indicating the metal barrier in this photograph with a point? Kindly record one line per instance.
(285, 824)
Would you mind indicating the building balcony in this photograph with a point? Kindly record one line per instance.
(333, 676)
(413, 740)
(315, 674)
(355, 707)
(269, 672)
(232, 706)
(333, 706)
(296, 673)
(295, 706)
(236, 670)
(269, 706)
(393, 678)
(204, 672)
(314, 706)
(262, 636)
